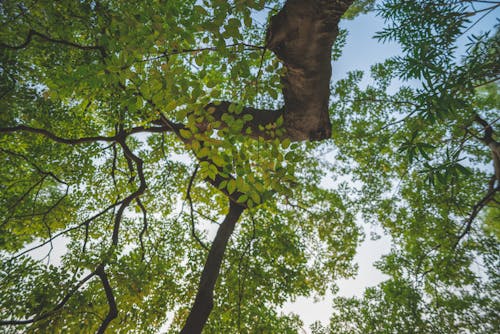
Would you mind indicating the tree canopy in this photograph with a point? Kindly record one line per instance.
(193, 165)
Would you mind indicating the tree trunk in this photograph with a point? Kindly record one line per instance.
(203, 302)
(301, 35)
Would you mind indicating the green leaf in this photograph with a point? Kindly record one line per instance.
(185, 133)
(231, 186)
(242, 199)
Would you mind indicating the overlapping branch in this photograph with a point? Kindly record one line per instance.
(33, 33)
(82, 140)
(54, 310)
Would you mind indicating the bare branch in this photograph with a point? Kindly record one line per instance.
(203, 302)
(188, 197)
(32, 33)
(113, 310)
(56, 309)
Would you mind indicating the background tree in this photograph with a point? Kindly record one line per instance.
(129, 129)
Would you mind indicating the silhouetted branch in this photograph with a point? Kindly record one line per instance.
(21, 198)
(140, 190)
(54, 137)
(113, 310)
(85, 222)
(32, 33)
(144, 225)
(475, 211)
(188, 197)
(57, 308)
(83, 140)
(167, 53)
(203, 302)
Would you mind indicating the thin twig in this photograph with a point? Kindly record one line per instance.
(144, 225)
(188, 197)
(57, 308)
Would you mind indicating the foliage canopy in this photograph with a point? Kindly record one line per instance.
(121, 152)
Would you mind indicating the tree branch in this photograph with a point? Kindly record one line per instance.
(83, 140)
(136, 194)
(144, 225)
(113, 310)
(54, 137)
(32, 33)
(57, 308)
(188, 197)
(203, 302)
(55, 236)
(475, 211)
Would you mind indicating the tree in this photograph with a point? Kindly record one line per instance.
(131, 128)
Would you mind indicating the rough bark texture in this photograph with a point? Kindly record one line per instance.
(203, 302)
(301, 35)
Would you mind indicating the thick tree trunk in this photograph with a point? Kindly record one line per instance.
(203, 302)
(301, 35)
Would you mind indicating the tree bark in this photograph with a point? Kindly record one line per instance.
(301, 35)
(203, 302)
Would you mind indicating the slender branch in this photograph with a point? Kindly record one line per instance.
(83, 140)
(218, 179)
(144, 225)
(55, 137)
(84, 223)
(140, 190)
(492, 144)
(488, 11)
(32, 33)
(203, 302)
(475, 211)
(242, 280)
(188, 197)
(492, 80)
(167, 54)
(20, 199)
(39, 170)
(113, 309)
(57, 308)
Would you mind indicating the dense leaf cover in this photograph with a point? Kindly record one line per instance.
(119, 168)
